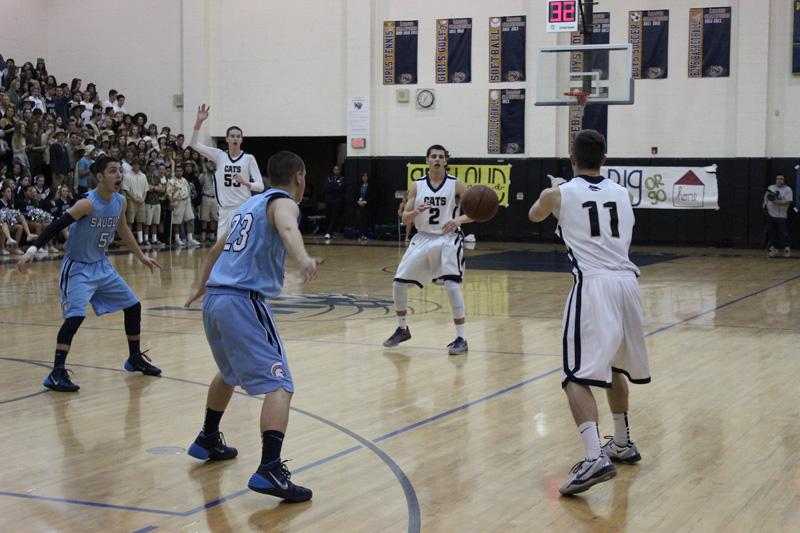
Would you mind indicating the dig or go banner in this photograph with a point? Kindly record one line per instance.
(667, 187)
(496, 177)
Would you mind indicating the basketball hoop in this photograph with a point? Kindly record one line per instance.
(581, 98)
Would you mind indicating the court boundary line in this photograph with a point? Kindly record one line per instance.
(391, 434)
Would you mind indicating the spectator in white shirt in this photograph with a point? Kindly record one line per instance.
(120, 105)
(112, 99)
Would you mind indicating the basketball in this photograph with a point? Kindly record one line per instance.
(480, 203)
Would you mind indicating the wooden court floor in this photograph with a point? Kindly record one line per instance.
(410, 438)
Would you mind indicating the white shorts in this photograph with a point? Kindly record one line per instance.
(225, 216)
(432, 257)
(602, 330)
(152, 214)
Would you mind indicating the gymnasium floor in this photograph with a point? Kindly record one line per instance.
(410, 438)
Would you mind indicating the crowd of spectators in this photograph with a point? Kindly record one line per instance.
(51, 133)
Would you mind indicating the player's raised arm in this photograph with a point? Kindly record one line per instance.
(549, 203)
(206, 151)
(283, 214)
(81, 208)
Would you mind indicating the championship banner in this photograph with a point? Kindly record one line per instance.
(496, 177)
(400, 51)
(595, 117)
(506, 49)
(710, 42)
(667, 187)
(648, 33)
(796, 39)
(506, 121)
(453, 50)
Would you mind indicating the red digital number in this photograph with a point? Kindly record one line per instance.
(555, 12)
(568, 9)
(562, 11)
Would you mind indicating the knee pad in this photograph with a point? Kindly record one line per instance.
(400, 294)
(68, 330)
(456, 298)
(133, 319)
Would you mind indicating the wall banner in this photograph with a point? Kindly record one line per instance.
(506, 49)
(496, 177)
(453, 50)
(400, 51)
(648, 33)
(710, 42)
(667, 187)
(506, 121)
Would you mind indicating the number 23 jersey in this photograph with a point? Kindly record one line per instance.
(254, 256)
(596, 223)
(442, 200)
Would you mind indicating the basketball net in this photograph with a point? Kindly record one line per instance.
(581, 98)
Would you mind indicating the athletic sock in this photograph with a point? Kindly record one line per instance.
(133, 347)
(591, 439)
(622, 433)
(460, 331)
(401, 321)
(271, 443)
(60, 359)
(139, 237)
(211, 423)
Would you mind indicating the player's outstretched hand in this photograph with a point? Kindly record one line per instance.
(202, 112)
(149, 262)
(556, 181)
(197, 293)
(422, 208)
(309, 267)
(450, 226)
(24, 260)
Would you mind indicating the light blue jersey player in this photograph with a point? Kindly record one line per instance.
(87, 276)
(244, 268)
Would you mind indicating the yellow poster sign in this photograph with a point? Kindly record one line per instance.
(496, 177)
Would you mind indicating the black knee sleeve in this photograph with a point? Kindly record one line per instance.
(133, 320)
(68, 329)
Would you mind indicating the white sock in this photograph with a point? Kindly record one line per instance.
(622, 433)
(139, 237)
(591, 439)
(460, 331)
(188, 236)
(400, 295)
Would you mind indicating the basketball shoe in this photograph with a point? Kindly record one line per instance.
(141, 363)
(586, 473)
(273, 479)
(211, 447)
(399, 335)
(458, 346)
(58, 380)
(622, 454)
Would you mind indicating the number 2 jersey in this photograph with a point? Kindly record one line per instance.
(254, 257)
(228, 191)
(596, 223)
(90, 236)
(442, 200)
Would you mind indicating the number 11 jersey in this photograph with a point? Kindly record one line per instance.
(442, 200)
(596, 223)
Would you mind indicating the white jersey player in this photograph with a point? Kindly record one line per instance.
(237, 175)
(436, 253)
(603, 341)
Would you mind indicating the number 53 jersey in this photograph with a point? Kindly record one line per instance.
(596, 223)
(254, 256)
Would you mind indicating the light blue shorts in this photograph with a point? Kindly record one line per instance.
(93, 283)
(245, 342)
